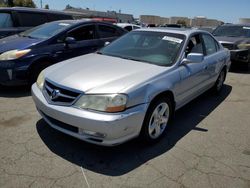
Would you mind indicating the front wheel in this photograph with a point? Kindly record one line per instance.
(156, 120)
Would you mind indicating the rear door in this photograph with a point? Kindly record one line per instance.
(193, 75)
(214, 58)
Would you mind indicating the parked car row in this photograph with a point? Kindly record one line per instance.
(99, 83)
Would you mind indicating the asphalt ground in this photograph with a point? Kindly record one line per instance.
(207, 145)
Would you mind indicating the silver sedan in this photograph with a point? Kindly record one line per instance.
(132, 87)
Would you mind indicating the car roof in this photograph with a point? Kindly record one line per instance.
(241, 25)
(183, 31)
(80, 21)
(35, 10)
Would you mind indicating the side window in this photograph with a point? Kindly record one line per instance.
(194, 45)
(209, 44)
(107, 31)
(5, 20)
(32, 19)
(83, 33)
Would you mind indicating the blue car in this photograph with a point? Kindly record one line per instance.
(24, 56)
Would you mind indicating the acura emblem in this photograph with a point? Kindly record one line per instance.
(55, 94)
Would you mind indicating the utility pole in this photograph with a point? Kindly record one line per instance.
(41, 2)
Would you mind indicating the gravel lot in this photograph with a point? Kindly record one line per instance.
(207, 145)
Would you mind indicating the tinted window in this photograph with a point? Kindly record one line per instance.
(32, 19)
(5, 20)
(232, 31)
(46, 31)
(83, 33)
(107, 31)
(209, 43)
(128, 28)
(150, 47)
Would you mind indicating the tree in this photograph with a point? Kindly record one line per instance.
(24, 3)
(68, 7)
(182, 22)
(46, 6)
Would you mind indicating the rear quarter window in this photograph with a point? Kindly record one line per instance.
(5, 20)
(27, 19)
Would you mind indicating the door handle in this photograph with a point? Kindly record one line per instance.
(205, 67)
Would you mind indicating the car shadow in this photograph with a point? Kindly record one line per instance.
(14, 91)
(119, 160)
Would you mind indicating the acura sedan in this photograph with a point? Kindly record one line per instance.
(132, 87)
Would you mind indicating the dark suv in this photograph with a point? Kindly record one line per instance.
(236, 38)
(16, 20)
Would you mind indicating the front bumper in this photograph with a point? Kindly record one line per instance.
(240, 55)
(11, 75)
(115, 128)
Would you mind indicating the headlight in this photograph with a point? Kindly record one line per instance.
(104, 103)
(243, 46)
(40, 80)
(13, 54)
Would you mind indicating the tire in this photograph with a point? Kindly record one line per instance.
(36, 69)
(219, 82)
(156, 121)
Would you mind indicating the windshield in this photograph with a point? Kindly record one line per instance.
(46, 31)
(5, 20)
(150, 47)
(232, 31)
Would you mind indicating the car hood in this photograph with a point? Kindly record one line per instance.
(94, 73)
(17, 42)
(234, 40)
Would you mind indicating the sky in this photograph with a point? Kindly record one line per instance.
(225, 10)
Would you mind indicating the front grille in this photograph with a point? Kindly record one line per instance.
(61, 124)
(229, 46)
(56, 94)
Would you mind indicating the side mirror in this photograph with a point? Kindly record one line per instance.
(70, 40)
(106, 43)
(193, 58)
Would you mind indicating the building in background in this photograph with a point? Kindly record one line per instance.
(113, 16)
(202, 21)
(177, 20)
(199, 21)
(244, 20)
(151, 19)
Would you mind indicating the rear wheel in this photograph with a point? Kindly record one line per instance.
(156, 120)
(220, 82)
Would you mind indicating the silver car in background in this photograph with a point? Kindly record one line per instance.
(132, 86)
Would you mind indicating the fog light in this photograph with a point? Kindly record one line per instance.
(91, 133)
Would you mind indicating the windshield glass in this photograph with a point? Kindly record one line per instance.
(232, 31)
(150, 47)
(5, 20)
(46, 31)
